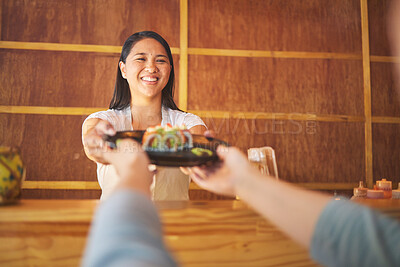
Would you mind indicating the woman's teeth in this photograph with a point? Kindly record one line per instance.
(149, 79)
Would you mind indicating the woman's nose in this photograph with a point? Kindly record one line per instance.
(151, 67)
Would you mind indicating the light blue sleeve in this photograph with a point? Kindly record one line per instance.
(349, 234)
(126, 231)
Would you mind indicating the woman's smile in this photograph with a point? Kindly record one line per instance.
(149, 80)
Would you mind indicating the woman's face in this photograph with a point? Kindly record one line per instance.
(147, 69)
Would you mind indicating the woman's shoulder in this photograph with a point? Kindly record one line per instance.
(119, 119)
(105, 114)
(178, 114)
(178, 117)
(174, 112)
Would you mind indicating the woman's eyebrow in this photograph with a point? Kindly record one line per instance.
(144, 54)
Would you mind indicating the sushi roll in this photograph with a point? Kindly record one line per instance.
(167, 139)
(152, 139)
(186, 136)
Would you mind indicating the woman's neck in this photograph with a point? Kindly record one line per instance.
(146, 114)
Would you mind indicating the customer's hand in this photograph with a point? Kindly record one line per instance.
(226, 176)
(132, 166)
(95, 146)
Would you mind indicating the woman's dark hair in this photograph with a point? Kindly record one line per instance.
(122, 95)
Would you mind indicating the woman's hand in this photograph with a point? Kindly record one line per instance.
(95, 146)
(209, 133)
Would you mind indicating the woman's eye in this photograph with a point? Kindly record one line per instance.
(140, 59)
(161, 60)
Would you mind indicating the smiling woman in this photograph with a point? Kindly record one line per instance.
(143, 97)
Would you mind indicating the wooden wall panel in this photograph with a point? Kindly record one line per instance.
(306, 151)
(385, 90)
(291, 25)
(88, 22)
(377, 16)
(51, 146)
(44, 78)
(58, 79)
(275, 85)
(386, 149)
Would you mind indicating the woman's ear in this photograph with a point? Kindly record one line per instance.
(122, 67)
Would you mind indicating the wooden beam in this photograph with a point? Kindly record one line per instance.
(193, 51)
(272, 54)
(48, 110)
(311, 186)
(376, 119)
(367, 93)
(80, 185)
(183, 55)
(328, 186)
(66, 47)
(206, 114)
(276, 116)
(385, 59)
(1, 13)
(89, 185)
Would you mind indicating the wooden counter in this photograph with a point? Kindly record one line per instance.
(211, 233)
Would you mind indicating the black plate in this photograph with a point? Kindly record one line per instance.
(184, 158)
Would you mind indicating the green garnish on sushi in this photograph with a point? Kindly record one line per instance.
(198, 151)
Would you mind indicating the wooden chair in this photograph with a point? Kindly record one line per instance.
(264, 158)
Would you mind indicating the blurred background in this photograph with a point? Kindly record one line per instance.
(311, 78)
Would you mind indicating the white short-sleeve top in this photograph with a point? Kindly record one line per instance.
(169, 183)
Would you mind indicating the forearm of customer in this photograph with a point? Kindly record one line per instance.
(126, 231)
(294, 210)
(135, 181)
(349, 234)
